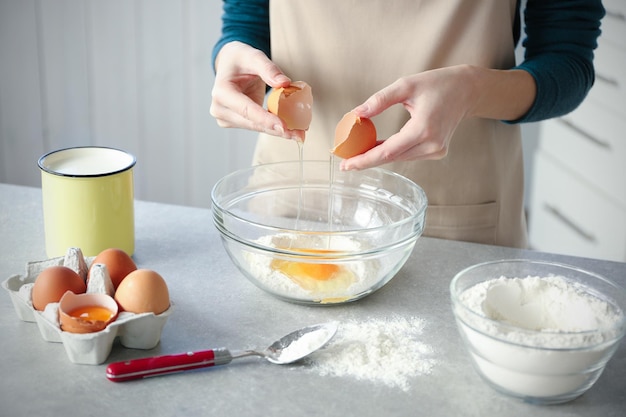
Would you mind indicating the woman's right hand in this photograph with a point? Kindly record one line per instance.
(241, 74)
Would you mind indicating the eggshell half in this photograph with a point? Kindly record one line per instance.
(354, 135)
(70, 302)
(293, 104)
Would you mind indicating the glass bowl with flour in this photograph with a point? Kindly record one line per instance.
(539, 331)
(308, 233)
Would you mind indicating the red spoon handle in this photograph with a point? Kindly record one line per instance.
(166, 364)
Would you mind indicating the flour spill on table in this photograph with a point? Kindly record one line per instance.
(384, 351)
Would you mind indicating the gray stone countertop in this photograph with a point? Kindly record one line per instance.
(215, 306)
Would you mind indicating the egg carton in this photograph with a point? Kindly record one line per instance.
(135, 331)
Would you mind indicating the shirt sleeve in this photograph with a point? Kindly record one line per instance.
(561, 36)
(246, 21)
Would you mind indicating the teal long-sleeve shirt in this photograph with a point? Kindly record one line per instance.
(561, 36)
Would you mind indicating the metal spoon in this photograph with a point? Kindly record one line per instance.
(294, 346)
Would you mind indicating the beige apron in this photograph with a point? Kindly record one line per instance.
(348, 49)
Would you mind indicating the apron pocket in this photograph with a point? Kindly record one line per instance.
(469, 223)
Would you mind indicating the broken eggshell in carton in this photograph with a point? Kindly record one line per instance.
(135, 331)
(98, 311)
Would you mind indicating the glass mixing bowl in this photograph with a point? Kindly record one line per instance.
(500, 326)
(304, 238)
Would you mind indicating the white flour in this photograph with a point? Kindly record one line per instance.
(308, 342)
(365, 272)
(539, 359)
(385, 351)
(550, 306)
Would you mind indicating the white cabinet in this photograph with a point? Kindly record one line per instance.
(578, 197)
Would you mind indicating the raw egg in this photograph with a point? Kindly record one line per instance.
(354, 135)
(86, 313)
(315, 276)
(52, 283)
(119, 264)
(293, 104)
(143, 291)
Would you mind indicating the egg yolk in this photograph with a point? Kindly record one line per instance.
(91, 313)
(315, 276)
(320, 272)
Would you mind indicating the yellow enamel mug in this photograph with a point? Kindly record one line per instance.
(88, 200)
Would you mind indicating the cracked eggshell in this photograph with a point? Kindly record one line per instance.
(354, 135)
(135, 331)
(86, 313)
(292, 104)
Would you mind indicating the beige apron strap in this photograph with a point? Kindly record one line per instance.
(346, 50)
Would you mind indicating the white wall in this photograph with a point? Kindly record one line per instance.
(131, 74)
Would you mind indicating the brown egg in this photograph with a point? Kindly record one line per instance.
(118, 263)
(354, 135)
(143, 291)
(86, 313)
(293, 104)
(52, 283)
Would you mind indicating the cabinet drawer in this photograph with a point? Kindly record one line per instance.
(569, 217)
(590, 142)
(609, 88)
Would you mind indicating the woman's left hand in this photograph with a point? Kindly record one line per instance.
(437, 101)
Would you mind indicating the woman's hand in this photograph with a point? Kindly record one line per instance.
(242, 73)
(437, 101)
